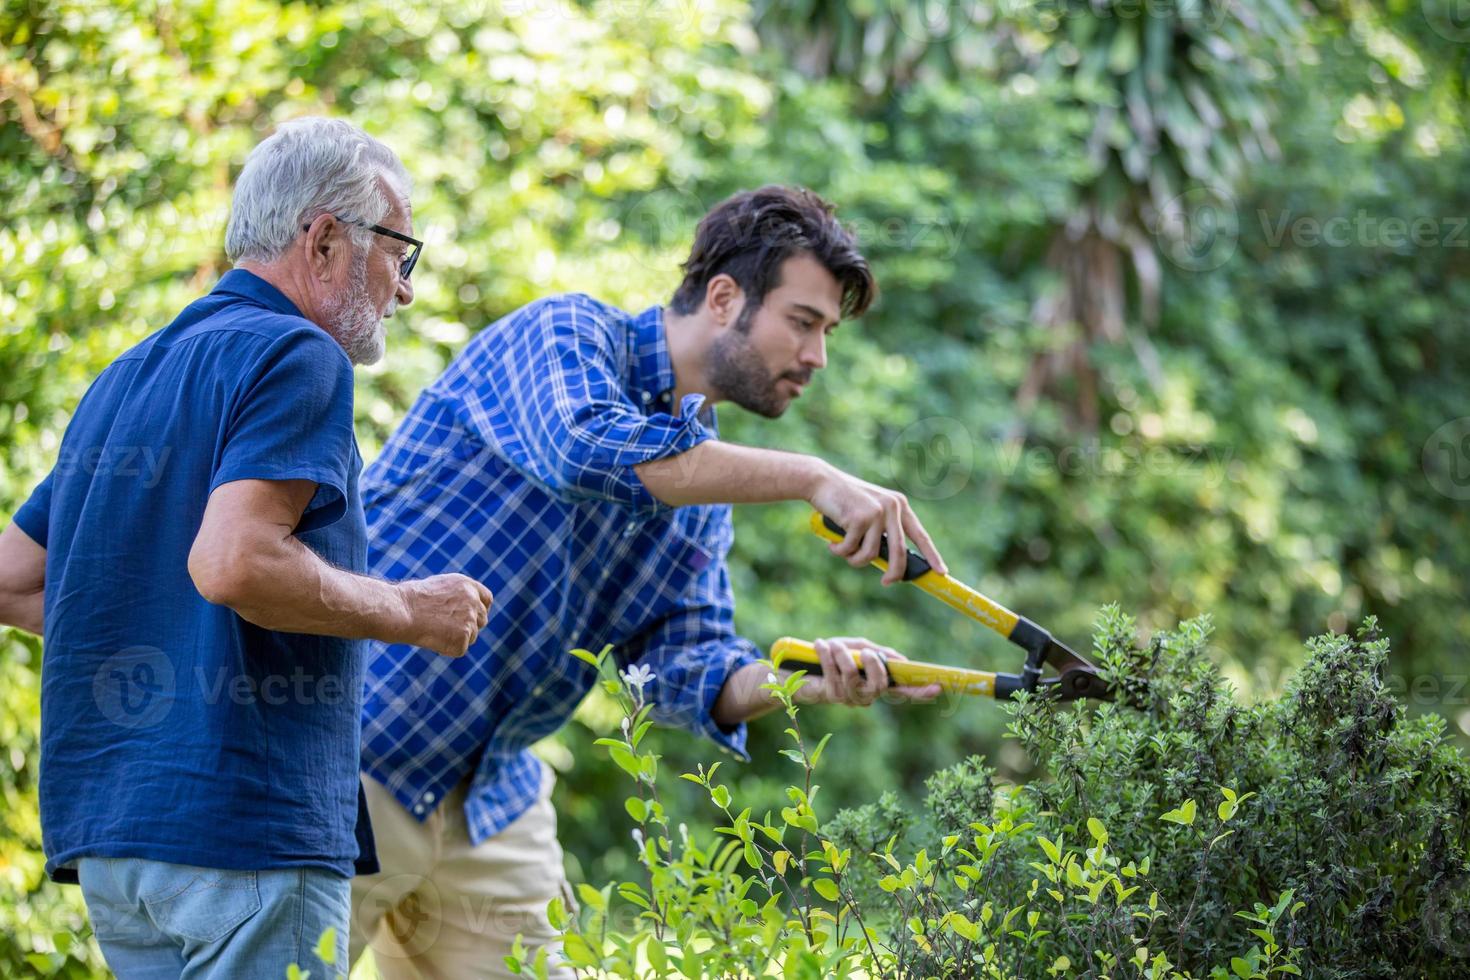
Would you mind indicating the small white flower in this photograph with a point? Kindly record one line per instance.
(637, 677)
(770, 678)
(638, 838)
(626, 726)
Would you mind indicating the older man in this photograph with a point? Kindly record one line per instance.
(569, 458)
(200, 690)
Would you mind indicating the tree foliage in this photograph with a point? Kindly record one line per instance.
(1283, 456)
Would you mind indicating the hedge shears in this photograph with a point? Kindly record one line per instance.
(1076, 676)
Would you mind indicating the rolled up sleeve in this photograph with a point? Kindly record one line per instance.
(556, 408)
(691, 654)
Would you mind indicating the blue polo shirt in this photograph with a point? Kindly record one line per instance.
(171, 728)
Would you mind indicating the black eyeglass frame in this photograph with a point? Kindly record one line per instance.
(405, 268)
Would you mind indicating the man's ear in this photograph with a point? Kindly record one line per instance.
(725, 300)
(326, 244)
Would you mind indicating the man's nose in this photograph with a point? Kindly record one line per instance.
(404, 292)
(814, 355)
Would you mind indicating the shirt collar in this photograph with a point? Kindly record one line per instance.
(238, 282)
(653, 376)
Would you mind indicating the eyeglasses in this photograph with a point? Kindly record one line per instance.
(405, 268)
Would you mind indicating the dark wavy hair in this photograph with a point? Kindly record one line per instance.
(748, 236)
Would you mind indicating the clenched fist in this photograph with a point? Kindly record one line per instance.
(842, 682)
(446, 612)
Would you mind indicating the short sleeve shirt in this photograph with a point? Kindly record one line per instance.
(171, 728)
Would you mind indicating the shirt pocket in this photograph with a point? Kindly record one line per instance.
(203, 904)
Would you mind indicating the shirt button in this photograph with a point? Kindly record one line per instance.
(537, 691)
(647, 397)
(429, 797)
(418, 808)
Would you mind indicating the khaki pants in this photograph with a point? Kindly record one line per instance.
(443, 908)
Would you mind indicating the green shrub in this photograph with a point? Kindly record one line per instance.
(1331, 795)
(1181, 835)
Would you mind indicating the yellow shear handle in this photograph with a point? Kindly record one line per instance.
(949, 591)
(794, 654)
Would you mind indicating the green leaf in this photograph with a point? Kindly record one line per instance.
(1184, 815)
(579, 951)
(1053, 853)
(817, 752)
(326, 946)
(631, 892)
(1098, 831)
(827, 888)
(658, 957)
(636, 808)
(639, 732)
(587, 656)
(591, 897)
(625, 759)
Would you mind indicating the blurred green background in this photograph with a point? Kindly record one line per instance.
(1174, 303)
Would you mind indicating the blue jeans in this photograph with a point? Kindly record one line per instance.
(155, 920)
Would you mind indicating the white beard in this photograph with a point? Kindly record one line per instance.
(352, 320)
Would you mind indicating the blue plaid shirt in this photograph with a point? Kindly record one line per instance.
(515, 468)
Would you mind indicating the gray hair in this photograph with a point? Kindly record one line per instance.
(308, 167)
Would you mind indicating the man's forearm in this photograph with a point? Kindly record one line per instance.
(742, 698)
(22, 580)
(300, 593)
(281, 585)
(716, 472)
(25, 611)
(246, 556)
